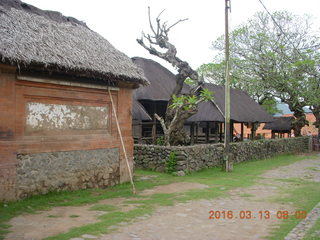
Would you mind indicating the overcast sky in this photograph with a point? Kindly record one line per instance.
(122, 21)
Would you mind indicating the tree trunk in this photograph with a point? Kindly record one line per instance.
(299, 122)
(316, 112)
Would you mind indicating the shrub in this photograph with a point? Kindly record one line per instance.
(171, 163)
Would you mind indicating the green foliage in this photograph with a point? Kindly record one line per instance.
(177, 102)
(171, 163)
(270, 105)
(267, 62)
(188, 102)
(189, 81)
(160, 141)
(206, 94)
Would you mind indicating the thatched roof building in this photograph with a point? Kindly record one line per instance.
(47, 41)
(242, 107)
(162, 83)
(66, 93)
(280, 124)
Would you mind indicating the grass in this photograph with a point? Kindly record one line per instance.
(244, 175)
(104, 208)
(53, 216)
(314, 232)
(246, 195)
(303, 195)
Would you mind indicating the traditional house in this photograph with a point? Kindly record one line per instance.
(204, 126)
(280, 126)
(284, 111)
(59, 82)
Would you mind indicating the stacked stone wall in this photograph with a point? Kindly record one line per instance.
(196, 157)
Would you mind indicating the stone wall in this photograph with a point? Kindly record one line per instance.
(43, 172)
(196, 157)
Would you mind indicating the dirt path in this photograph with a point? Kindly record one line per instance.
(184, 220)
(190, 220)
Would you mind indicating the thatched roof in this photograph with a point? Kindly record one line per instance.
(162, 83)
(34, 39)
(280, 124)
(207, 112)
(242, 107)
(138, 111)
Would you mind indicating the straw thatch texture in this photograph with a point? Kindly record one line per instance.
(35, 39)
(242, 107)
(138, 112)
(280, 124)
(162, 83)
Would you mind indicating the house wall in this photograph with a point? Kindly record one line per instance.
(264, 133)
(60, 137)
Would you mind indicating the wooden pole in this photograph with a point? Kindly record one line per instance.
(122, 143)
(216, 132)
(197, 132)
(227, 160)
(241, 138)
(192, 133)
(207, 132)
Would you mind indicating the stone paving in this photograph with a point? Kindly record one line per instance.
(302, 228)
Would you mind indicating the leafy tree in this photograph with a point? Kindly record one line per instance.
(180, 106)
(272, 57)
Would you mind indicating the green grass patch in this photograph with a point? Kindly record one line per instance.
(244, 175)
(314, 232)
(246, 195)
(304, 195)
(53, 216)
(104, 208)
(74, 216)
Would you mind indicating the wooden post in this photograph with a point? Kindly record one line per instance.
(221, 128)
(207, 132)
(197, 131)
(216, 132)
(122, 143)
(241, 137)
(228, 163)
(231, 131)
(253, 131)
(192, 133)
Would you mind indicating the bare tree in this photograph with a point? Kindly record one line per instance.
(180, 106)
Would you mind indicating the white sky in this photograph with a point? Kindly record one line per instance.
(122, 21)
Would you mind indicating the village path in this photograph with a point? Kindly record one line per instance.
(191, 220)
(188, 220)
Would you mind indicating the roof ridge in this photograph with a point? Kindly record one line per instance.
(49, 14)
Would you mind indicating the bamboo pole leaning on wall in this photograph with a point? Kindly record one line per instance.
(122, 143)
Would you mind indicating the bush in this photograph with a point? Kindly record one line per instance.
(171, 163)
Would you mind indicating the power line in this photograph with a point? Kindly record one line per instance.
(279, 26)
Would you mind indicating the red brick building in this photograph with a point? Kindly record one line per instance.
(57, 128)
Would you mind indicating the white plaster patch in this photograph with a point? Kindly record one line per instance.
(42, 116)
